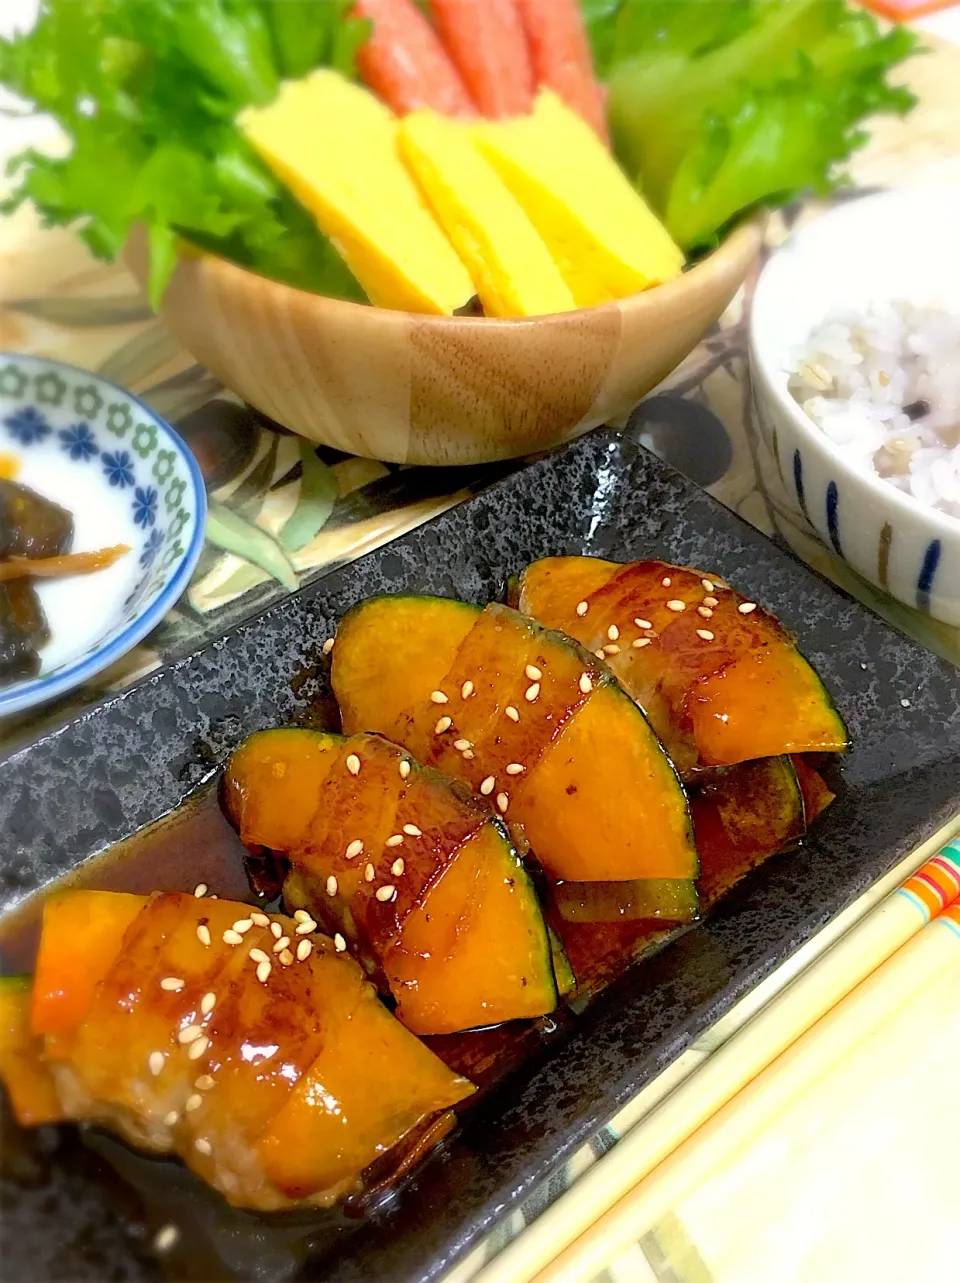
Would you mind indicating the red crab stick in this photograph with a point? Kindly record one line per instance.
(404, 62)
(486, 40)
(561, 57)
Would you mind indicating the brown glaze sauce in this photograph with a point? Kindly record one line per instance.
(197, 844)
(194, 844)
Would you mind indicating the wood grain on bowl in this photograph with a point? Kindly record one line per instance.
(440, 390)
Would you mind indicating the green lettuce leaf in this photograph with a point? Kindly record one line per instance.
(715, 108)
(309, 34)
(147, 92)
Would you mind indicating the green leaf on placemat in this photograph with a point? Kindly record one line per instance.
(141, 356)
(84, 312)
(233, 534)
(319, 491)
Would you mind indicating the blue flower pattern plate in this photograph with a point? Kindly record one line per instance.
(127, 478)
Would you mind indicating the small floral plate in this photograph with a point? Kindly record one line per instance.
(127, 478)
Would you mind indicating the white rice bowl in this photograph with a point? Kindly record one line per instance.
(883, 384)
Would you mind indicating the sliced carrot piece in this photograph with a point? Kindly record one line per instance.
(561, 57)
(74, 563)
(404, 62)
(489, 47)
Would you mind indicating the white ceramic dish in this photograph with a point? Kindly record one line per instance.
(127, 478)
(896, 245)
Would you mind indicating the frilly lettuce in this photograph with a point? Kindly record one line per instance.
(146, 92)
(717, 106)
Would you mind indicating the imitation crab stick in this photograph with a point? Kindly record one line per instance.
(405, 64)
(488, 45)
(561, 57)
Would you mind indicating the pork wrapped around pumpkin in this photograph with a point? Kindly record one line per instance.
(407, 868)
(244, 1042)
(718, 677)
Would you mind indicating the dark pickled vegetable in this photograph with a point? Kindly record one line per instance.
(23, 630)
(31, 526)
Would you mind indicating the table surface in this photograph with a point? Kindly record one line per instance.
(804, 1204)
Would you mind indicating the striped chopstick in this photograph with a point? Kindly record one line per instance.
(921, 982)
(850, 960)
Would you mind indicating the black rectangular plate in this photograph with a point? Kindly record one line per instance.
(134, 757)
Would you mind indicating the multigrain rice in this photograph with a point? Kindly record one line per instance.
(884, 386)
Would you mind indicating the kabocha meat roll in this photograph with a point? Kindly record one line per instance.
(241, 1041)
(718, 677)
(406, 867)
(527, 718)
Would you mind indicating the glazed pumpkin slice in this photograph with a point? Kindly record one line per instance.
(273, 783)
(646, 899)
(777, 813)
(81, 936)
(23, 1069)
(768, 702)
(374, 695)
(151, 994)
(413, 871)
(603, 803)
(595, 795)
(497, 964)
(719, 678)
(741, 817)
(817, 794)
(557, 591)
(372, 1084)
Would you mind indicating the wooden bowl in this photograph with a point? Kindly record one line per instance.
(439, 389)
